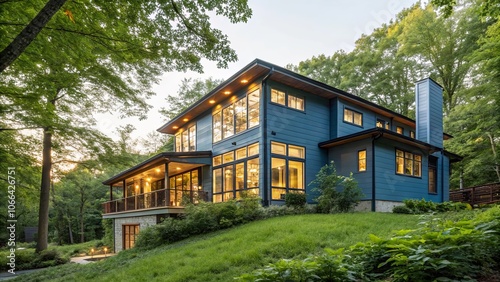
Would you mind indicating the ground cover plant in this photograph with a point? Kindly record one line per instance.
(439, 250)
(225, 254)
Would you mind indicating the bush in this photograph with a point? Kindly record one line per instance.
(295, 200)
(402, 209)
(337, 193)
(29, 259)
(423, 206)
(438, 251)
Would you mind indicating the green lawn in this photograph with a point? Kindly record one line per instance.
(223, 255)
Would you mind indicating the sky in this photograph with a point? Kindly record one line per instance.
(280, 32)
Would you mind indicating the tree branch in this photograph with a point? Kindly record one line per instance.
(28, 34)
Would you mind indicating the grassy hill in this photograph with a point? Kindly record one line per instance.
(223, 255)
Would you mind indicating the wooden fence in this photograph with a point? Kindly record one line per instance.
(483, 194)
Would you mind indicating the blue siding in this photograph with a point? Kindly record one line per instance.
(429, 112)
(344, 128)
(306, 129)
(394, 187)
(206, 181)
(204, 132)
(346, 157)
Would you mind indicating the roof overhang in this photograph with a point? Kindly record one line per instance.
(378, 133)
(198, 158)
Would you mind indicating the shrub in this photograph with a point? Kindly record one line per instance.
(423, 206)
(337, 193)
(440, 250)
(402, 209)
(295, 200)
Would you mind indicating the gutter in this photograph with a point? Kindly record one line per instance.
(267, 194)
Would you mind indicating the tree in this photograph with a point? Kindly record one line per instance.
(190, 91)
(28, 34)
(109, 54)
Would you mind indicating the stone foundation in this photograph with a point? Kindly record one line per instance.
(380, 206)
(143, 221)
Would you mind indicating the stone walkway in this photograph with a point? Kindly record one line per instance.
(90, 259)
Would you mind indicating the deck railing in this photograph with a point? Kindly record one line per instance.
(483, 194)
(155, 199)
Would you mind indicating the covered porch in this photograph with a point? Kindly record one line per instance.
(168, 179)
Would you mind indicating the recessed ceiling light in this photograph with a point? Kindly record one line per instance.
(186, 119)
(244, 81)
(227, 92)
(175, 127)
(178, 168)
(212, 101)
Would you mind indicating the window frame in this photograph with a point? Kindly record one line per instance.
(287, 171)
(398, 129)
(359, 161)
(406, 160)
(286, 100)
(354, 112)
(190, 139)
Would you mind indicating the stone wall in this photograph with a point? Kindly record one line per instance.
(143, 221)
(380, 206)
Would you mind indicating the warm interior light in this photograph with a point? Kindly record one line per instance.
(212, 101)
(136, 186)
(227, 92)
(158, 170)
(244, 81)
(185, 119)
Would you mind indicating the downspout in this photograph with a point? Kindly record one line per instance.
(442, 175)
(267, 195)
(374, 138)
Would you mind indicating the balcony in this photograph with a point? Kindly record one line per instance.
(156, 199)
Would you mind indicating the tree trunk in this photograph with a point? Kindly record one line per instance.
(43, 214)
(494, 151)
(71, 241)
(82, 203)
(28, 34)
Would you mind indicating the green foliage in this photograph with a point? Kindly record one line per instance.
(412, 206)
(29, 259)
(337, 193)
(222, 255)
(295, 200)
(441, 250)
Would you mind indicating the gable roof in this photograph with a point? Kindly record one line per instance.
(259, 68)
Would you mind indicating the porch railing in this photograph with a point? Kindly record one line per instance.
(483, 194)
(145, 201)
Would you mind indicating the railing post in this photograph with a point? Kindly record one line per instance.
(472, 196)
(491, 193)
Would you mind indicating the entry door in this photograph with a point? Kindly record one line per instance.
(129, 234)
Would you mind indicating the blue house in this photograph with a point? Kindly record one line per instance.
(267, 131)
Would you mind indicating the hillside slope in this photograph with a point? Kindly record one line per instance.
(222, 255)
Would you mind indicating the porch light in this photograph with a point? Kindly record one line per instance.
(186, 119)
(175, 127)
(244, 81)
(227, 92)
(136, 186)
(212, 101)
(158, 170)
(178, 168)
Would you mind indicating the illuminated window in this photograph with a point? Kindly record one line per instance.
(408, 163)
(237, 117)
(287, 170)
(240, 110)
(278, 97)
(382, 124)
(412, 134)
(362, 160)
(217, 126)
(353, 117)
(235, 173)
(400, 130)
(186, 141)
(295, 103)
(228, 122)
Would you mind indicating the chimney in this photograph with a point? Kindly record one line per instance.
(429, 112)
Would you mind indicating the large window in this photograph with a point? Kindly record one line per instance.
(408, 163)
(185, 141)
(353, 117)
(362, 160)
(289, 100)
(287, 169)
(185, 188)
(237, 117)
(236, 172)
